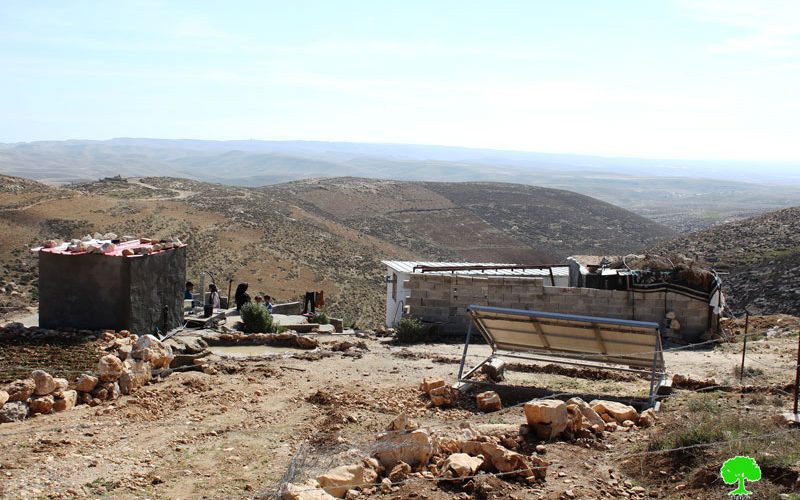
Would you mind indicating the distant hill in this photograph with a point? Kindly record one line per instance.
(326, 234)
(684, 195)
(477, 221)
(761, 255)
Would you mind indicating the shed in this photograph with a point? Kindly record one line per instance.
(93, 290)
(398, 273)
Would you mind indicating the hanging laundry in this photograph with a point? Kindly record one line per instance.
(717, 301)
(309, 303)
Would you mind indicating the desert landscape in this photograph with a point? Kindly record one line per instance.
(277, 422)
(400, 250)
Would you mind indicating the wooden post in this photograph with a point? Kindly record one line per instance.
(744, 344)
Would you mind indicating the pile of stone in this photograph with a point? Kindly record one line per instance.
(134, 363)
(406, 452)
(575, 418)
(41, 393)
(693, 382)
(443, 395)
(107, 243)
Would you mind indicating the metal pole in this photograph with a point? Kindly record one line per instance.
(464, 355)
(552, 278)
(797, 377)
(202, 300)
(744, 344)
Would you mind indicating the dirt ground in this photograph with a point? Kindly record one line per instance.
(258, 421)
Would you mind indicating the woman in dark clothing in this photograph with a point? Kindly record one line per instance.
(241, 296)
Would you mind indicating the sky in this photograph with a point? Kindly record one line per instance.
(706, 79)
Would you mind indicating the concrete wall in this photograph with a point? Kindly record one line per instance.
(156, 281)
(95, 292)
(397, 294)
(444, 299)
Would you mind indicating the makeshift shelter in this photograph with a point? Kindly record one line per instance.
(99, 284)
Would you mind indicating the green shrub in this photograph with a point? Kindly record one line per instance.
(410, 330)
(320, 318)
(257, 319)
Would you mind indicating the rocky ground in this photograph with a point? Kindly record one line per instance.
(245, 426)
(759, 258)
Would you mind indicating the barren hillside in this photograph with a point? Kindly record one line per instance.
(322, 234)
(761, 255)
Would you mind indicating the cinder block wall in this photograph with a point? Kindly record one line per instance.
(96, 292)
(444, 300)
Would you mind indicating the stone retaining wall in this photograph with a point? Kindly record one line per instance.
(444, 299)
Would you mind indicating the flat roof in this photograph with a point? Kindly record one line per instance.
(118, 247)
(403, 266)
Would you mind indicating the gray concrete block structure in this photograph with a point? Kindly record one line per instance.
(96, 291)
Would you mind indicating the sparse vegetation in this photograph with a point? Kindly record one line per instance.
(257, 319)
(749, 371)
(320, 317)
(410, 331)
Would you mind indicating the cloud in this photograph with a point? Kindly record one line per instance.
(770, 27)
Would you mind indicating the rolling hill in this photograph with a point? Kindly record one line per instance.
(326, 234)
(760, 255)
(674, 193)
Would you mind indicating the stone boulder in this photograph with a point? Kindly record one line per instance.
(148, 348)
(500, 459)
(45, 383)
(548, 417)
(588, 413)
(647, 418)
(61, 385)
(618, 411)
(489, 401)
(42, 404)
(402, 423)
(428, 384)
(86, 383)
(444, 396)
(135, 375)
(399, 472)
(414, 448)
(109, 368)
(337, 481)
(66, 402)
(305, 491)
(460, 465)
(21, 390)
(3, 398)
(13, 411)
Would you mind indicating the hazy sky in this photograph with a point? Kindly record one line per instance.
(691, 79)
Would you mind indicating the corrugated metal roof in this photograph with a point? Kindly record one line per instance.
(408, 267)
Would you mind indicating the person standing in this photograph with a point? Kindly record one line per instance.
(213, 299)
(268, 303)
(241, 296)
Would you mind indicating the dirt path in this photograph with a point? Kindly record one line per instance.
(179, 194)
